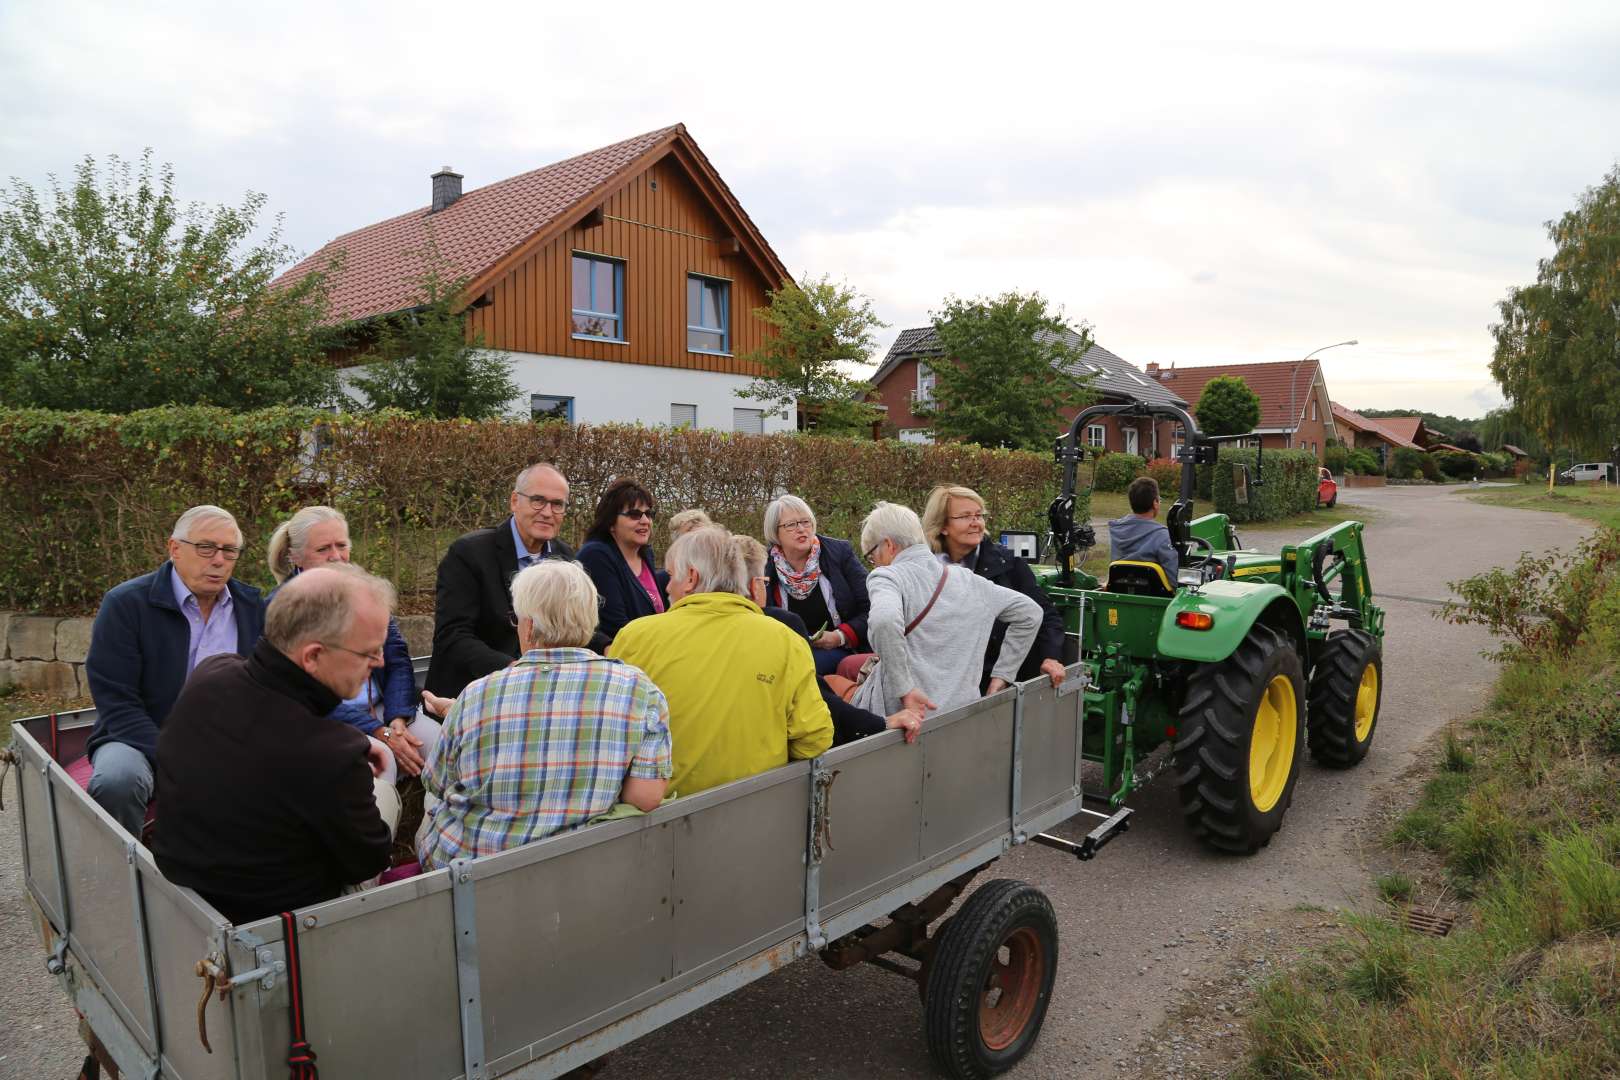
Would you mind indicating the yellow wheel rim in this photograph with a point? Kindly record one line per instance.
(1366, 703)
(1271, 748)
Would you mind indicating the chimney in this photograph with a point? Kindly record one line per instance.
(446, 188)
(1153, 369)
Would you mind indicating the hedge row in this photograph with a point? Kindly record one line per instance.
(90, 498)
(1290, 484)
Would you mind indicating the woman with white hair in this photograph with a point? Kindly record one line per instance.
(550, 742)
(386, 706)
(818, 578)
(930, 623)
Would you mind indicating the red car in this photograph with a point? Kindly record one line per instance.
(1327, 489)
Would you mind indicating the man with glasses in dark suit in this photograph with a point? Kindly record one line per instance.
(474, 632)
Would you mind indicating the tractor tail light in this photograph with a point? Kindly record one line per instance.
(1194, 620)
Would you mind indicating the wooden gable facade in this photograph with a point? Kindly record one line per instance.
(662, 227)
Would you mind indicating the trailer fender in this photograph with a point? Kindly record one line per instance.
(1232, 607)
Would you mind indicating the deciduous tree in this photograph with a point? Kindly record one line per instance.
(1227, 407)
(1557, 349)
(114, 297)
(1004, 380)
(821, 326)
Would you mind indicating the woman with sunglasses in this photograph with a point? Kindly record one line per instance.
(818, 578)
(618, 555)
(954, 523)
(386, 706)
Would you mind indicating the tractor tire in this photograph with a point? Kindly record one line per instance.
(1241, 731)
(990, 980)
(1347, 689)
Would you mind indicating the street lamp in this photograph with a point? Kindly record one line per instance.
(1293, 401)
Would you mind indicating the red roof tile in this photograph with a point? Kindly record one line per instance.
(1351, 418)
(381, 263)
(1404, 426)
(1277, 384)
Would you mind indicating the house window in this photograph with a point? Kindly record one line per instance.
(1313, 408)
(748, 421)
(708, 315)
(598, 297)
(682, 416)
(924, 394)
(543, 407)
(1097, 435)
(919, 435)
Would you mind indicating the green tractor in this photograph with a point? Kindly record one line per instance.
(1238, 665)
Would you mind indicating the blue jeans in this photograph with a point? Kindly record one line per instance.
(827, 660)
(121, 781)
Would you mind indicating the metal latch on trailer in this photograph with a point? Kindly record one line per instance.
(1112, 825)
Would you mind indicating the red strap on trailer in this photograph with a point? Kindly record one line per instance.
(55, 741)
(300, 1058)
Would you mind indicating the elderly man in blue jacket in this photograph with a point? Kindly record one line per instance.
(149, 635)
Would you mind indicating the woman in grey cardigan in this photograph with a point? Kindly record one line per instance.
(930, 632)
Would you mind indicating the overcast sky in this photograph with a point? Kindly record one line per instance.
(1201, 183)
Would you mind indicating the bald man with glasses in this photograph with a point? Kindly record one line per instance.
(474, 629)
(149, 635)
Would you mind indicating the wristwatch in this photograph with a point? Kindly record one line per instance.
(384, 732)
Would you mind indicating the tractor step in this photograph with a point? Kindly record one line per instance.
(1112, 825)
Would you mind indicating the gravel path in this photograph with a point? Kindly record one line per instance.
(1152, 923)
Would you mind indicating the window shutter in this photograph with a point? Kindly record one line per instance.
(682, 415)
(748, 421)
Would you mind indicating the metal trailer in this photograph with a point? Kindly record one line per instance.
(542, 958)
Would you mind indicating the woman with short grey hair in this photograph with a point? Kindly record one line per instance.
(816, 577)
(930, 623)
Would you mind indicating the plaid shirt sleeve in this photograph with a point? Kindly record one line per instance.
(654, 758)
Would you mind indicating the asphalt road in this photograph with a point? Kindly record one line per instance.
(1142, 926)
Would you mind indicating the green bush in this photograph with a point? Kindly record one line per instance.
(1114, 472)
(1458, 464)
(1289, 487)
(1499, 463)
(91, 497)
(1407, 463)
(1334, 458)
(1363, 463)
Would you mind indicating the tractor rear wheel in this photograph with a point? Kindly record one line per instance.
(1347, 687)
(990, 980)
(1241, 730)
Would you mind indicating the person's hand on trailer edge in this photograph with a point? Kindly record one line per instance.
(997, 685)
(909, 721)
(1055, 670)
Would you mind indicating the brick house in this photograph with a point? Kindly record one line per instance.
(1413, 430)
(1295, 409)
(1364, 433)
(906, 376)
(621, 283)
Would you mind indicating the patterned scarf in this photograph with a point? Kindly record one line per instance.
(798, 583)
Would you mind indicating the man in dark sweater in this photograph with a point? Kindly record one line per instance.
(473, 628)
(1137, 536)
(266, 803)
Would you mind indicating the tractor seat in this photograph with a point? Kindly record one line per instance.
(1139, 578)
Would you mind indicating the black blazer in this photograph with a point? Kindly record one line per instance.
(473, 633)
(850, 722)
(621, 593)
(844, 572)
(1010, 572)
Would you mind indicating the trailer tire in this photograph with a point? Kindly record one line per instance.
(990, 980)
(1241, 731)
(1347, 689)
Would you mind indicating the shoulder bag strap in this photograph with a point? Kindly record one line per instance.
(945, 572)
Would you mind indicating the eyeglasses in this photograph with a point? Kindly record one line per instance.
(376, 656)
(637, 514)
(540, 502)
(208, 549)
(977, 515)
(795, 526)
(867, 555)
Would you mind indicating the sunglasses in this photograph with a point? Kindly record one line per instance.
(637, 514)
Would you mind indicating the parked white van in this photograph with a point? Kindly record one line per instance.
(1592, 470)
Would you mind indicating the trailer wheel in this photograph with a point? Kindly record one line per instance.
(990, 979)
(1347, 687)
(1242, 729)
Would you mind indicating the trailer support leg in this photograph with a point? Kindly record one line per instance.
(466, 927)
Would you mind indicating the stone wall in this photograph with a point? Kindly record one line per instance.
(45, 654)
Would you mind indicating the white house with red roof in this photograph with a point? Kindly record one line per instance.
(621, 283)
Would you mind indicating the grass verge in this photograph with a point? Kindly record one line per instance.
(16, 703)
(1524, 815)
(1591, 501)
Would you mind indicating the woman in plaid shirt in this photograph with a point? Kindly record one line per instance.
(550, 742)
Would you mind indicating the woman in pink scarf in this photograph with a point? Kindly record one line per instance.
(818, 578)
